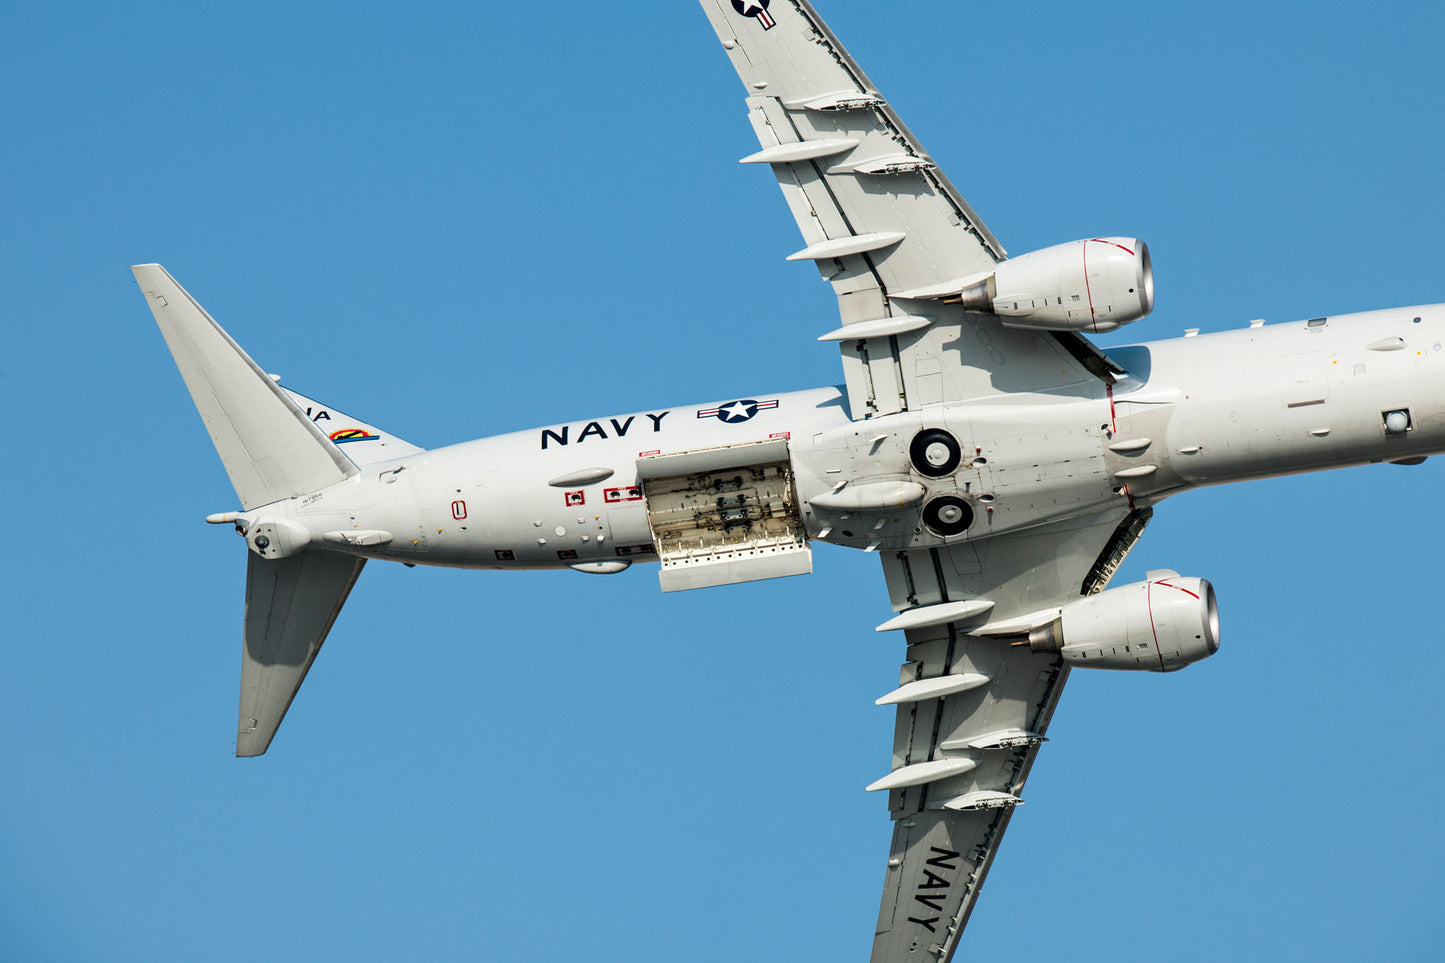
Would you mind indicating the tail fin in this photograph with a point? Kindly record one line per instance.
(364, 444)
(271, 450)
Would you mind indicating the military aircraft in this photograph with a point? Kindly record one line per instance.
(999, 464)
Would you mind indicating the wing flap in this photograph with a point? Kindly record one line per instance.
(291, 604)
(867, 187)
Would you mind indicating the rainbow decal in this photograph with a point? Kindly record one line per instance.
(342, 435)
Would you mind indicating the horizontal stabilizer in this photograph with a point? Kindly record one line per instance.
(291, 604)
(271, 450)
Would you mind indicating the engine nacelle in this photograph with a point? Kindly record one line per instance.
(1092, 285)
(1159, 625)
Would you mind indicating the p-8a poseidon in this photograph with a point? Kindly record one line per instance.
(998, 463)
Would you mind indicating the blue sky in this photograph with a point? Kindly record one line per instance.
(461, 219)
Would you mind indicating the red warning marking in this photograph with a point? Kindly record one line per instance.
(459, 510)
(649, 454)
(1113, 424)
(781, 434)
(627, 493)
(1165, 581)
(578, 497)
(1121, 247)
(1149, 601)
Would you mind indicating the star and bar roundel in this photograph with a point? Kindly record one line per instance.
(757, 9)
(737, 412)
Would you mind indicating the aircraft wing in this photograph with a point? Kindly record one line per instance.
(883, 224)
(972, 711)
(897, 241)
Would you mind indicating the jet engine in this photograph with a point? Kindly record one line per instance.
(1159, 625)
(1093, 285)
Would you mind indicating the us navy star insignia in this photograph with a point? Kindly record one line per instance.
(737, 412)
(757, 9)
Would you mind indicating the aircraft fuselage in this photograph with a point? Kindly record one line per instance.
(1252, 403)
